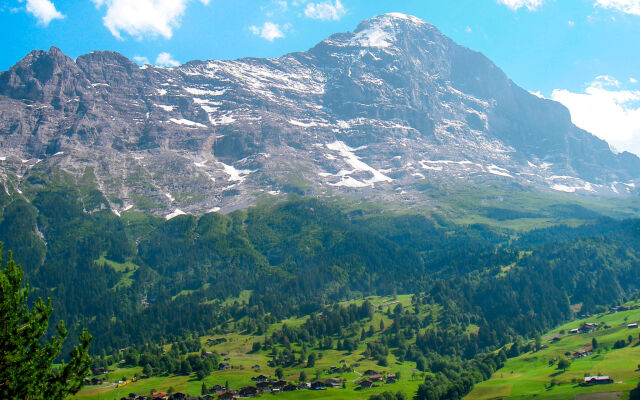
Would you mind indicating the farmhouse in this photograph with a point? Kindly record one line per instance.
(633, 326)
(597, 380)
(364, 384)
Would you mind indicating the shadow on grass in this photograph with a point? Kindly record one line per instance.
(557, 373)
(635, 393)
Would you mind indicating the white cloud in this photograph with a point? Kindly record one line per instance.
(268, 31)
(531, 5)
(625, 6)
(143, 17)
(325, 11)
(611, 113)
(166, 60)
(141, 60)
(633, 80)
(571, 23)
(44, 10)
(468, 29)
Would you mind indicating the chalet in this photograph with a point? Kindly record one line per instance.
(376, 378)
(223, 366)
(227, 359)
(574, 331)
(633, 326)
(207, 397)
(597, 380)
(96, 381)
(333, 369)
(260, 378)
(364, 384)
(228, 395)
(581, 353)
(589, 326)
(207, 354)
(556, 339)
(217, 389)
(370, 372)
(179, 396)
(391, 378)
(263, 386)
(279, 384)
(255, 366)
(99, 371)
(289, 388)
(248, 391)
(317, 386)
(333, 383)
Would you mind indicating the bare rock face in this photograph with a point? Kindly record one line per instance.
(381, 112)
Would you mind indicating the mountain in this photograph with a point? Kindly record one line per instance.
(385, 112)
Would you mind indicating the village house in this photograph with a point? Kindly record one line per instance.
(290, 388)
(279, 384)
(581, 353)
(333, 383)
(230, 395)
(217, 389)
(365, 384)
(263, 386)
(260, 378)
(317, 386)
(633, 326)
(248, 391)
(370, 372)
(597, 380)
(99, 371)
(223, 366)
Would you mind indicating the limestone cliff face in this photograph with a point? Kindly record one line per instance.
(377, 112)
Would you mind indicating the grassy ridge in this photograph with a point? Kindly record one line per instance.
(530, 375)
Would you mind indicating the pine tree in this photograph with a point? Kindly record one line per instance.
(26, 362)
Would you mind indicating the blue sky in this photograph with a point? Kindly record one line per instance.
(584, 53)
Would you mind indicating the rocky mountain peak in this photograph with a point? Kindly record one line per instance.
(41, 76)
(382, 112)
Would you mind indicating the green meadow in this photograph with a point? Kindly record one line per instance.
(238, 349)
(535, 375)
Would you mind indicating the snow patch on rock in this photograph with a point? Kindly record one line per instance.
(174, 214)
(187, 122)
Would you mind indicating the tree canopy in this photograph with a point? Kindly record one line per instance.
(27, 369)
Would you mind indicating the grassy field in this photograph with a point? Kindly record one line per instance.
(238, 349)
(530, 375)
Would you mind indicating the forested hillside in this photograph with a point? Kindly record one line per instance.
(136, 279)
